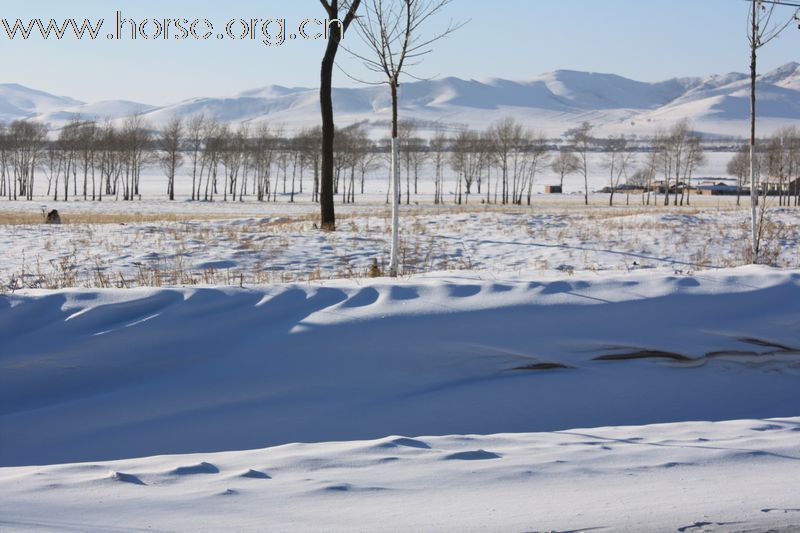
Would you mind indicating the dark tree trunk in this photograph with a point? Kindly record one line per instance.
(327, 214)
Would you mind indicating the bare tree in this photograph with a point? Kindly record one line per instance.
(489, 153)
(194, 133)
(564, 164)
(407, 130)
(793, 154)
(68, 144)
(309, 143)
(417, 150)
(413, 153)
(739, 166)
(641, 178)
(345, 159)
(618, 160)
(662, 149)
(507, 137)
(693, 159)
(367, 159)
(5, 157)
(110, 164)
(214, 135)
(135, 138)
(169, 143)
(680, 152)
(438, 145)
(391, 30)
(465, 161)
(298, 162)
(781, 160)
(537, 157)
(677, 144)
(262, 155)
(763, 29)
(650, 169)
(54, 162)
(581, 139)
(86, 146)
(27, 143)
(337, 30)
(233, 146)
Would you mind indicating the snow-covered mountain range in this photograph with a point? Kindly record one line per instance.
(551, 103)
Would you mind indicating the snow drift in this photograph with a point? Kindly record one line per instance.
(692, 477)
(88, 375)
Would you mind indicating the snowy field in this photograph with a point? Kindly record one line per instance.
(693, 477)
(189, 379)
(204, 366)
(247, 250)
(154, 242)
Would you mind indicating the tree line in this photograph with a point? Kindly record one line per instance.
(499, 165)
(778, 161)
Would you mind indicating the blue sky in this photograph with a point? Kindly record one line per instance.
(647, 40)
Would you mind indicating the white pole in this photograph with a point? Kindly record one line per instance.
(754, 201)
(753, 166)
(393, 258)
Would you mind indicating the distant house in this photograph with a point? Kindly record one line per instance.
(776, 187)
(553, 189)
(625, 189)
(793, 188)
(772, 187)
(631, 189)
(721, 189)
(660, 188)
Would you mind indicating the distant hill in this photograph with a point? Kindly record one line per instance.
(551, 103)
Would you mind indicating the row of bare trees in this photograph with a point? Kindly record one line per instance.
(21, 148)
(675, 156)
(86, 159)
(94, 161)
(778, 164)
(499, 165)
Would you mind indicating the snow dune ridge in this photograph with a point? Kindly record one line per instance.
(89, 375)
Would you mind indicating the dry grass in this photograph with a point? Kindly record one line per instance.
(17, 218)
(69, 272)
(73, 214)
(560, 235)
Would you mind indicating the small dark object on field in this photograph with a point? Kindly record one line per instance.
(53, 217)
(374, 270)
